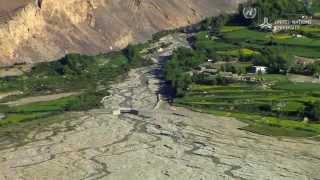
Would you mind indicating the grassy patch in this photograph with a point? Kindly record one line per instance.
(38, 110)
(298, 86)
(310, 29)
(275, 78)
(281, 36)
(239, 52)
(22, 117)
(246, 34)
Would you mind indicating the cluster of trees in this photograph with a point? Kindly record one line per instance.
(315, 110)
(212, 80)
(176, 70)
(134, 56)
(276, 60)
(214, 24)
(309, 69)
(235, 68)
(311, 110)
(75, 71)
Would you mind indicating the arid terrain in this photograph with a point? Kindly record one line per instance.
(160, 142)
(10, 7)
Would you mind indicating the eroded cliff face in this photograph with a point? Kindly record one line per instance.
(48, 29)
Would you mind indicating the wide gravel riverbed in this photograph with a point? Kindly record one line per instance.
(159, 143)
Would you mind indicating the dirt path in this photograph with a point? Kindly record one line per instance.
(4, 95)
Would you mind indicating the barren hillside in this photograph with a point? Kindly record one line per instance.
(48, 30)
(9, 6)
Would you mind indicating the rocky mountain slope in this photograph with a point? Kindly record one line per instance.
(8, 8)
(45, 30)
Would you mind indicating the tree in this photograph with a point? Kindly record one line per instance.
(280, 8)
(218, 22)
(276, 60)
(316, 110)
(132, 52)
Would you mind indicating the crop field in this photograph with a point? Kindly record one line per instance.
(217, 45)
(251, 41)
(38, 110)
(280, 105)
(238, 52)
(245, 34)
(304, 46)
(312, 28)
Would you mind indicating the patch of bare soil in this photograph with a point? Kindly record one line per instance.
(35, 99)
(16, 70)
(302, 78)
(4, 95)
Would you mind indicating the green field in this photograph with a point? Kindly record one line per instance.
(238, 52)
(235, 39)
(245, 35)
(311, 28)
(280, 105)
(304, 46)
(37, 110)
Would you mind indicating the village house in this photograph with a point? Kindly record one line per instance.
(259, 69)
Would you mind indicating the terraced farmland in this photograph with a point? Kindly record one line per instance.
(306, 46)
(283, 105)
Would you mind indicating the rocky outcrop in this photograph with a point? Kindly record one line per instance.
(48, 29)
